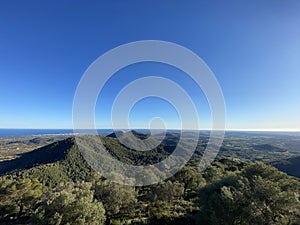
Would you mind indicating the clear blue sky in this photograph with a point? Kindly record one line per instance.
(253, 48)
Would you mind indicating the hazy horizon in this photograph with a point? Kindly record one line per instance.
(138, 128)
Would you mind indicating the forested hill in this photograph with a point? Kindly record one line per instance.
(51, 153)
(55, 185)
(291, 166)
(63, 150)
(62, 160)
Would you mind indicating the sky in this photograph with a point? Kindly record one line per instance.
(252, 47)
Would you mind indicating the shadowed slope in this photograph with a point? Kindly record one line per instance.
(291, 166)
(48, 154)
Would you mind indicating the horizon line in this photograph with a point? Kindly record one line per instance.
(204, 129)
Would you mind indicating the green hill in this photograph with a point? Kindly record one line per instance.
(51, 164)
(268, 148)
(46, 186)
(62, 161)
(291, 166)
(47, 154)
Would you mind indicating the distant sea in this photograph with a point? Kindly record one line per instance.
(28, 132)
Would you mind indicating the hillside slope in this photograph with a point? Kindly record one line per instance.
(290, 166)
(54, 152)
(51, 164)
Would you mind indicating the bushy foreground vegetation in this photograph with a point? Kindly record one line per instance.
(228, 192)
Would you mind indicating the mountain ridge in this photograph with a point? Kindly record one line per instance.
(51, 153)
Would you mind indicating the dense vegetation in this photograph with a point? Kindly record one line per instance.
(54, 185)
